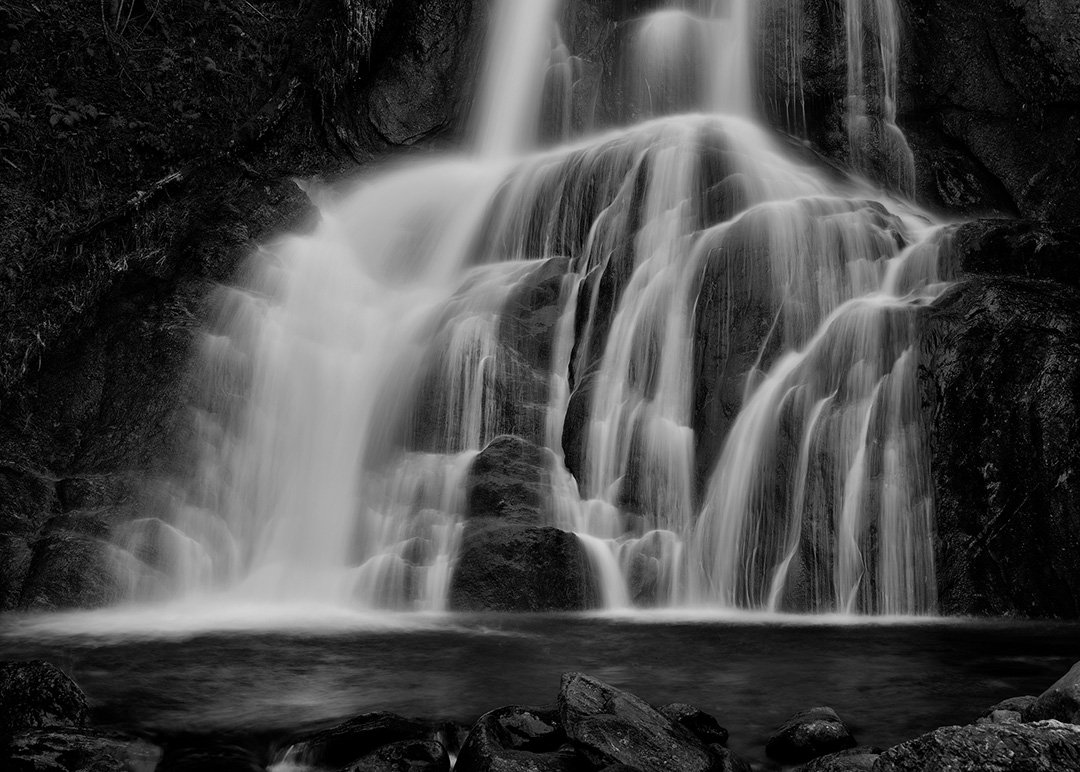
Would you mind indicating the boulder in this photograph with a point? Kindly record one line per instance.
(71, 570)
(508, 481)
(807, 735)
(37, 694)
(513, 567)
(405, 756)
(859, 759)
(1004, 450)
(359, 737)
(15, 555)
(701, 724)
(1012, 704)
(1060, 702)
(78, 750)
(518, 739)
(616, 727)
(1046, 745)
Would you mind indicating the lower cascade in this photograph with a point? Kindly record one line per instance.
(673, 340)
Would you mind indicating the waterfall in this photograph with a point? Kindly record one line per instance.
(724, 379)
(877, 144)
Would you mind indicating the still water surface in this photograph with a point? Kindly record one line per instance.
(890, 680)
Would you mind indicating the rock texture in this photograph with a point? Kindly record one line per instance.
(1061, 702)
(79, 750)
(990, 100)
(520, 568)
(616, 727)
(988, 748)
(36, 694)
(358, 738)
(1000, 373)
(518, 739)
(809, 734)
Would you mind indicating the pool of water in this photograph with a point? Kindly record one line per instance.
(245, 671)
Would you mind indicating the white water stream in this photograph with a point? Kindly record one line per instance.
(728, 394)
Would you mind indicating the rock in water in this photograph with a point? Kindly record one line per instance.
(851, 760)
(520, 568)
(508, 480)
(616, 727)
(1060, 702)
(350, 741)
(807, 735)
(78, 750)
(1019, 705)
(1046, 745)
(697, 721)
(517, 739)
(405, 756)
(36, 694)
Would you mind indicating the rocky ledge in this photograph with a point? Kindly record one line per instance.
(591, 727)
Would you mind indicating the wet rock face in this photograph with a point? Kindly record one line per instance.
(999, 93)
(850, 760)
(517, 739)
(71, 570)
(78, 750)
(809, 734)
(36, 694)
(615, 727)
(1042, 745)
(1061, 702)
(1000, 379)
(362, 737)
(513, 567)
(509, 481)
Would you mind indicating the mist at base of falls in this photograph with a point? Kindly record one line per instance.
(713, 346)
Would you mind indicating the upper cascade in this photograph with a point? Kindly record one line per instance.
(713, 345)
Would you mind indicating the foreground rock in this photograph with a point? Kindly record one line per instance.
(358, 740)
(79, 750)
(612, 727)
(851, 760)
(36, 694)
(520, 568)
(1060, 702)
(1045, 745)
(809, 734)
(699, 723)
(518, 739)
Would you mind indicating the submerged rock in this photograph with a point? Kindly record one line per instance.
(36, 694)
(809, 734)
(78, 750)
(616, 727)
(1046, 745)
(520, 568)
(518, 739)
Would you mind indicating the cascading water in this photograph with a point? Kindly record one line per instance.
(724, 380)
